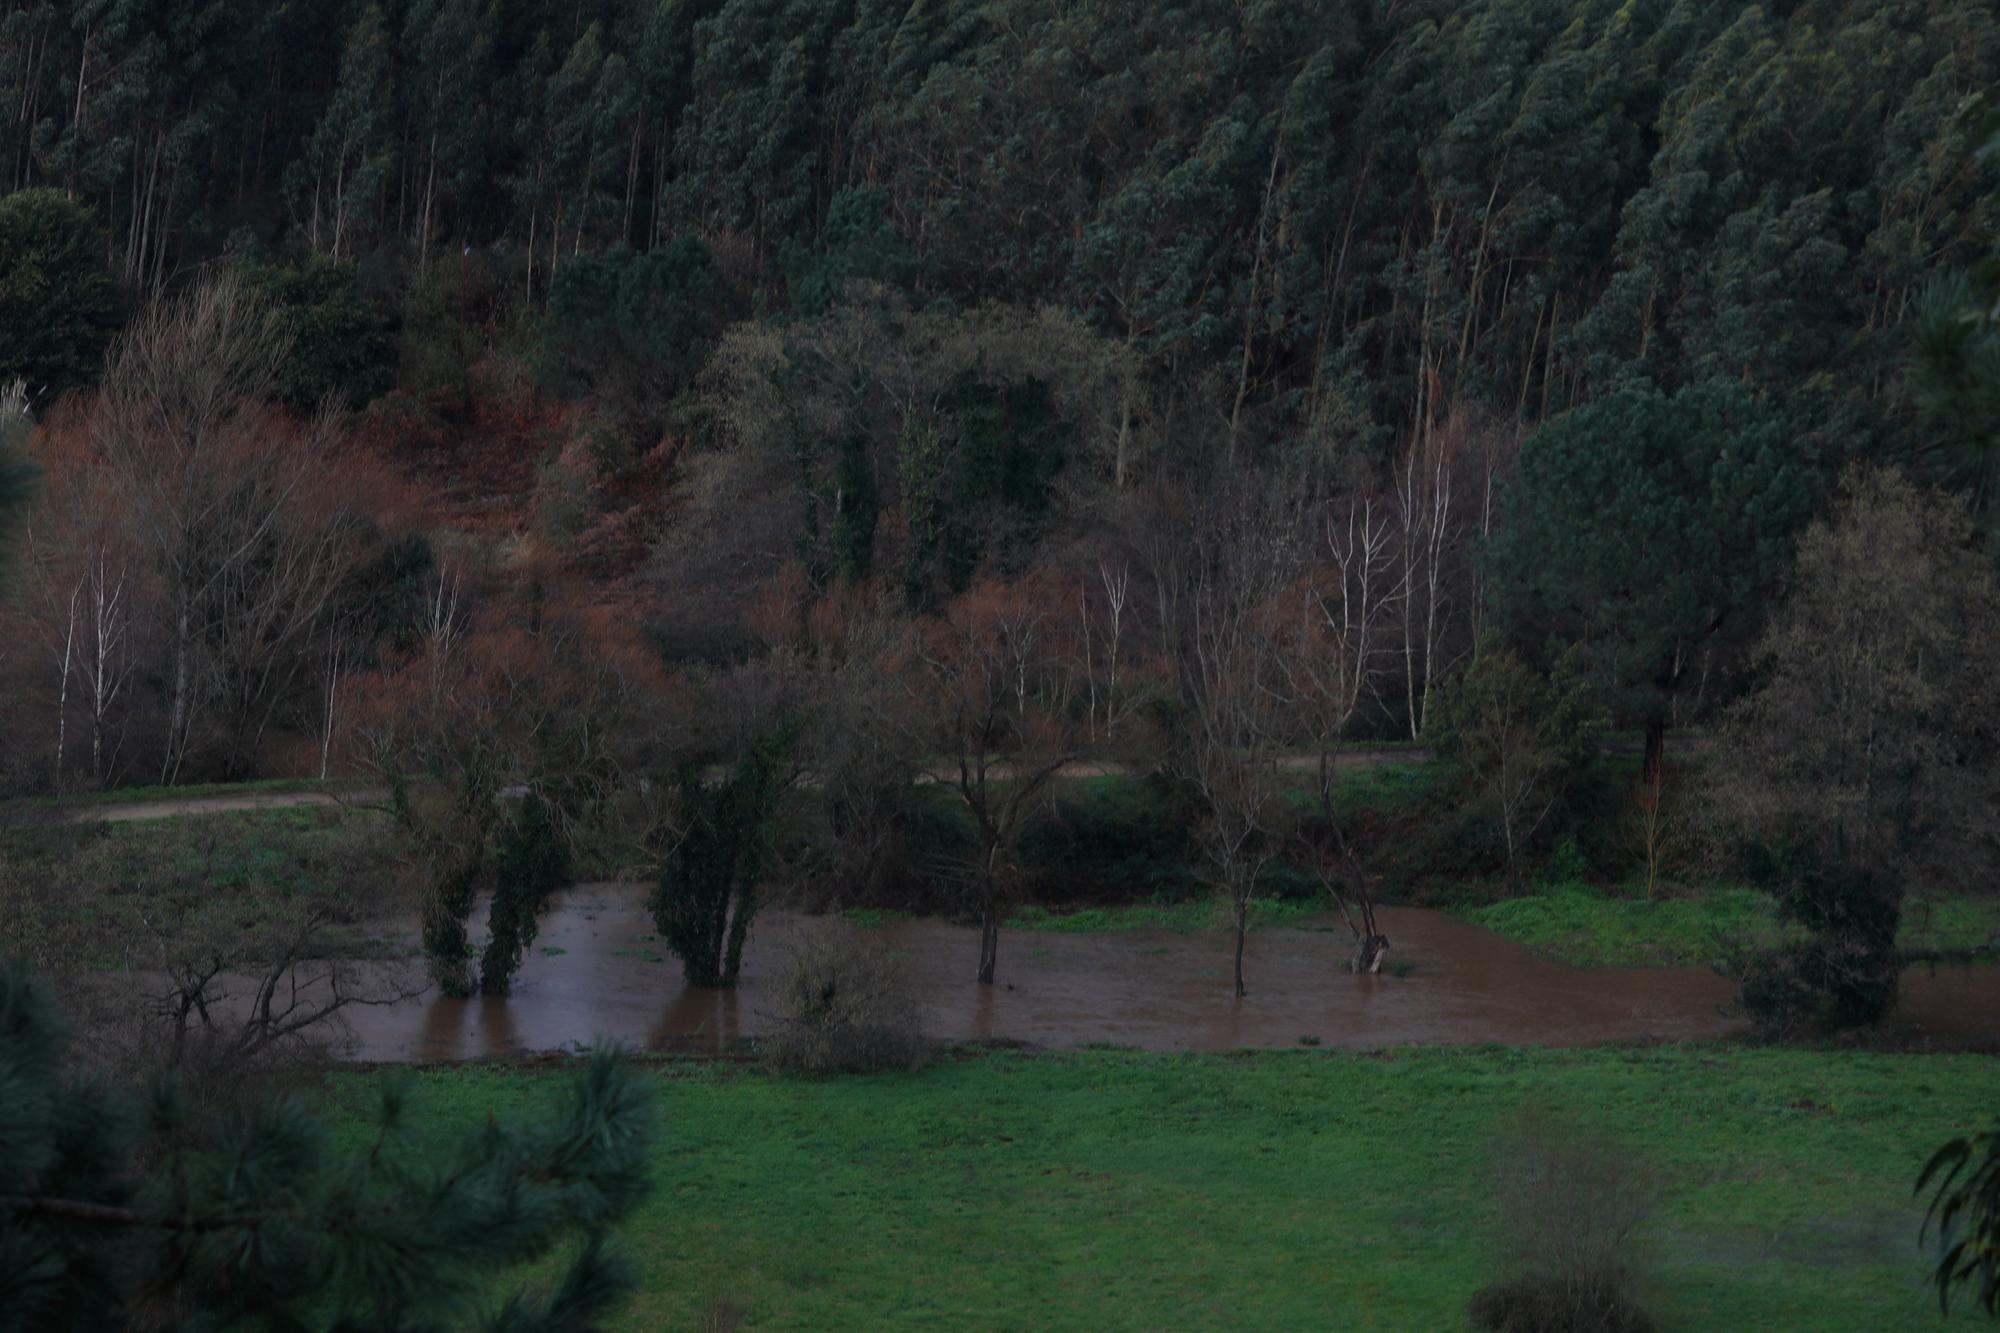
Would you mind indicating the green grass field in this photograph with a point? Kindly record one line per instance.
(1103, 1190)
(94, 893)
(1593, 928)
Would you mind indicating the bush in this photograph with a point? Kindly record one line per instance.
(842, 1008)
(1289, 883)
(1545, 1305)
(1845, 973)
(632, 330)
(1126, 835)
(1570, 1206)
(1453, 843)
(342, 345)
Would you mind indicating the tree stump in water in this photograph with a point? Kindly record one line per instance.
(1369, 955)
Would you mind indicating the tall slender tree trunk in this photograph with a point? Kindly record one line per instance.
(1242, 930)
(181, 702)
(62, 695)
(989, 917)
(989, 943)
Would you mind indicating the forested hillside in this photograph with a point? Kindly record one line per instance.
(725, 306)
(1517, 476)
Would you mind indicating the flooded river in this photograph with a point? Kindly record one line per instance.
(596, 971)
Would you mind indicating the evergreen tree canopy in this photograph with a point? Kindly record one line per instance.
(1651, 530)
(633, 329)
(113, 1201)
(58, 301)
(341, 347)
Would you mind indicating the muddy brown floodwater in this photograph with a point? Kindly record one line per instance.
(597, 972)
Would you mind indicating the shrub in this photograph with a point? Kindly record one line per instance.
(1545, 1305)
(342, 345)
(1289, 883)
(1845, 973)
(1126, 834)
(1570, 1206)
(842, 1008)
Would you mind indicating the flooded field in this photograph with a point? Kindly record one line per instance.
(597, 971)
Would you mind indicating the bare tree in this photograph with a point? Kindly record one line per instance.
(181, 425)
(265, 613)
(1104, 657)
(991, 664)
(221, 1019)
(1871, 738)
(863, 688)
(1226, 578)
(1332, 659)
(1428, 531)
(1652, 823)
(1522, 736)
(84, 589)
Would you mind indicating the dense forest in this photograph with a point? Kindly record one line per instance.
(924, 293)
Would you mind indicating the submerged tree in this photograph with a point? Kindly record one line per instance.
(718, 835)
(533, 696)
(1228, 572)
(991, 663)
(533, 861)
(1865, 762)
(117, 1207)
(1333, 648)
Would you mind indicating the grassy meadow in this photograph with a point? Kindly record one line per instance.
(1112, 1190)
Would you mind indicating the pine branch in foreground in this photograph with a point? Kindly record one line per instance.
(117, 1208)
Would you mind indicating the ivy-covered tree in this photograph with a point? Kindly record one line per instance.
(717, 840)
(534, 859)
(116, 1204)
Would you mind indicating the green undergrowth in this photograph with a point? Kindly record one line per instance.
(1592, 927)
(1301, 1189)
(106, 891)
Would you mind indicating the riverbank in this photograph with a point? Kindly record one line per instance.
(1109, 1190)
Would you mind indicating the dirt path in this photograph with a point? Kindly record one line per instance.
(223, 803)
